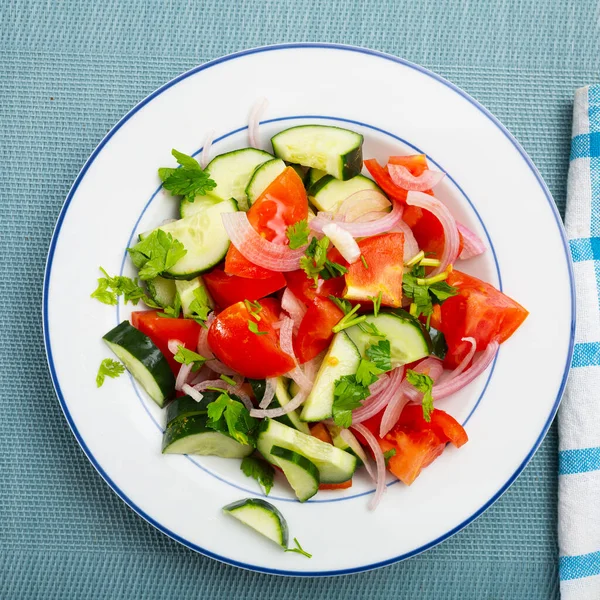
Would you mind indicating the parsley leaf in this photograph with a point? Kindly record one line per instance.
(343, 305)
(371, 329)
(260, 470)
(156, 253)
(254, 308)
(364, 261)
(108, 368)
(440, 347)
(110, 288)
(298, 234)
(381, 355)
(253, 327)
(389, 454)
(442, 290)
(232, 418)
(376, 302)
(172, 311)
(189, 357)
(424, 295)
(424, 384)
(367, 372)
(298, 549)
(315, 261)
(348, 394)
(188, 181)
(200, 306)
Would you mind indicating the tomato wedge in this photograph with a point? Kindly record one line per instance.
(162, 329)
(384, 181)
(305, 290)
(415, 163)
(253, 355)
(479, 311)
(282, 204)
(229, 289)
(314, 334)
(321, 432)
(383, 274)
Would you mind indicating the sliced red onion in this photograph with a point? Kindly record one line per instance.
(369, 217)
(376, 403)
(431, 366)
(274, 413)
(355, 446)
(254, 121)
(293, 307)
(343, 241)
(439, 210)
(270, 384)
(480, 364)
(214, 364)
(464, 363)
(404, 179)
(383, 225)
(206, 147)
(257, 249)
(286, 341)
(277, 324)
(203, 347)
(182, 376)
(174, 346)
(472, 244)
(379, 460)
(411, 248)
(311, 368)
(223, 385)
(191, 392)
(202, 375)
(363, 202)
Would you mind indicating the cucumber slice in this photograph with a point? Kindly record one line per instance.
(262, 176)
(313, 176)
(301, 474)
(186, 291)
(189, 209)
(293, 388)
(185, 406)
(340, 442)
(335, 465)
(409, 340)
(334, 150)
(204, 238)
(328, 193)
(342, 358)
(162, 291)
(143, 360)
(302, 172)
(192, 436)
(232, 171)
(261, 516)
(281, 398)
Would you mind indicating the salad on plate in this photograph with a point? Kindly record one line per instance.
(306, 317)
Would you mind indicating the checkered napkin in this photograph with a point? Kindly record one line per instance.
(579, 416)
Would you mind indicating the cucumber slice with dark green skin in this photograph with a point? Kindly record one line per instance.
(189, 209)
(262, 176)
(186, 289)
(335, 465)
(340, 442)
(341, 359)
(409, 340)
(301, 474)
(334, 150)
(162, 291)
(302, 172)
(329, 193)
(191, 435)
(143, 360)
(261, 516)
(281, 398)
(313, 176)
(204, 237)
(232, 171)
(185, 406)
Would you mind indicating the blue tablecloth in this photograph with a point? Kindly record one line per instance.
(69, 70)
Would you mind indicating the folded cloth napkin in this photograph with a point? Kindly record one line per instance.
(579, 415)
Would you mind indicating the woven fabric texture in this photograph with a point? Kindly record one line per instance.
(69, 70)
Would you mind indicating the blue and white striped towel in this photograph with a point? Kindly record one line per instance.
(579, 416)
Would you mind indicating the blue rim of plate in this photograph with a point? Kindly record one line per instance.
(312, 118)
(234, 56)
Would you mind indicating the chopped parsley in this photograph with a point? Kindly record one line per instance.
(232, 418)
(298, 549)
(440, 347)
(376, 302)
(254, 308)
(260, 470)
(343, 305)
(108, 368)
(189, 181)
(253, 327)
(110, 288)
(156, 253)
(424, 384)
(315, 262)
(348, 395)
(227, 379)
(189, 357)
(200, 306)
(380, 354)
(297, 234)
(364, 261)
(389, 454)
(348, 320)
(425, 292)
(172, 311)
(371, 329)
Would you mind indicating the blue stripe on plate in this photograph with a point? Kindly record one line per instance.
(586, 354)
(578, 460)
(577, 567)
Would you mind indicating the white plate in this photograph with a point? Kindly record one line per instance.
(492, 186)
